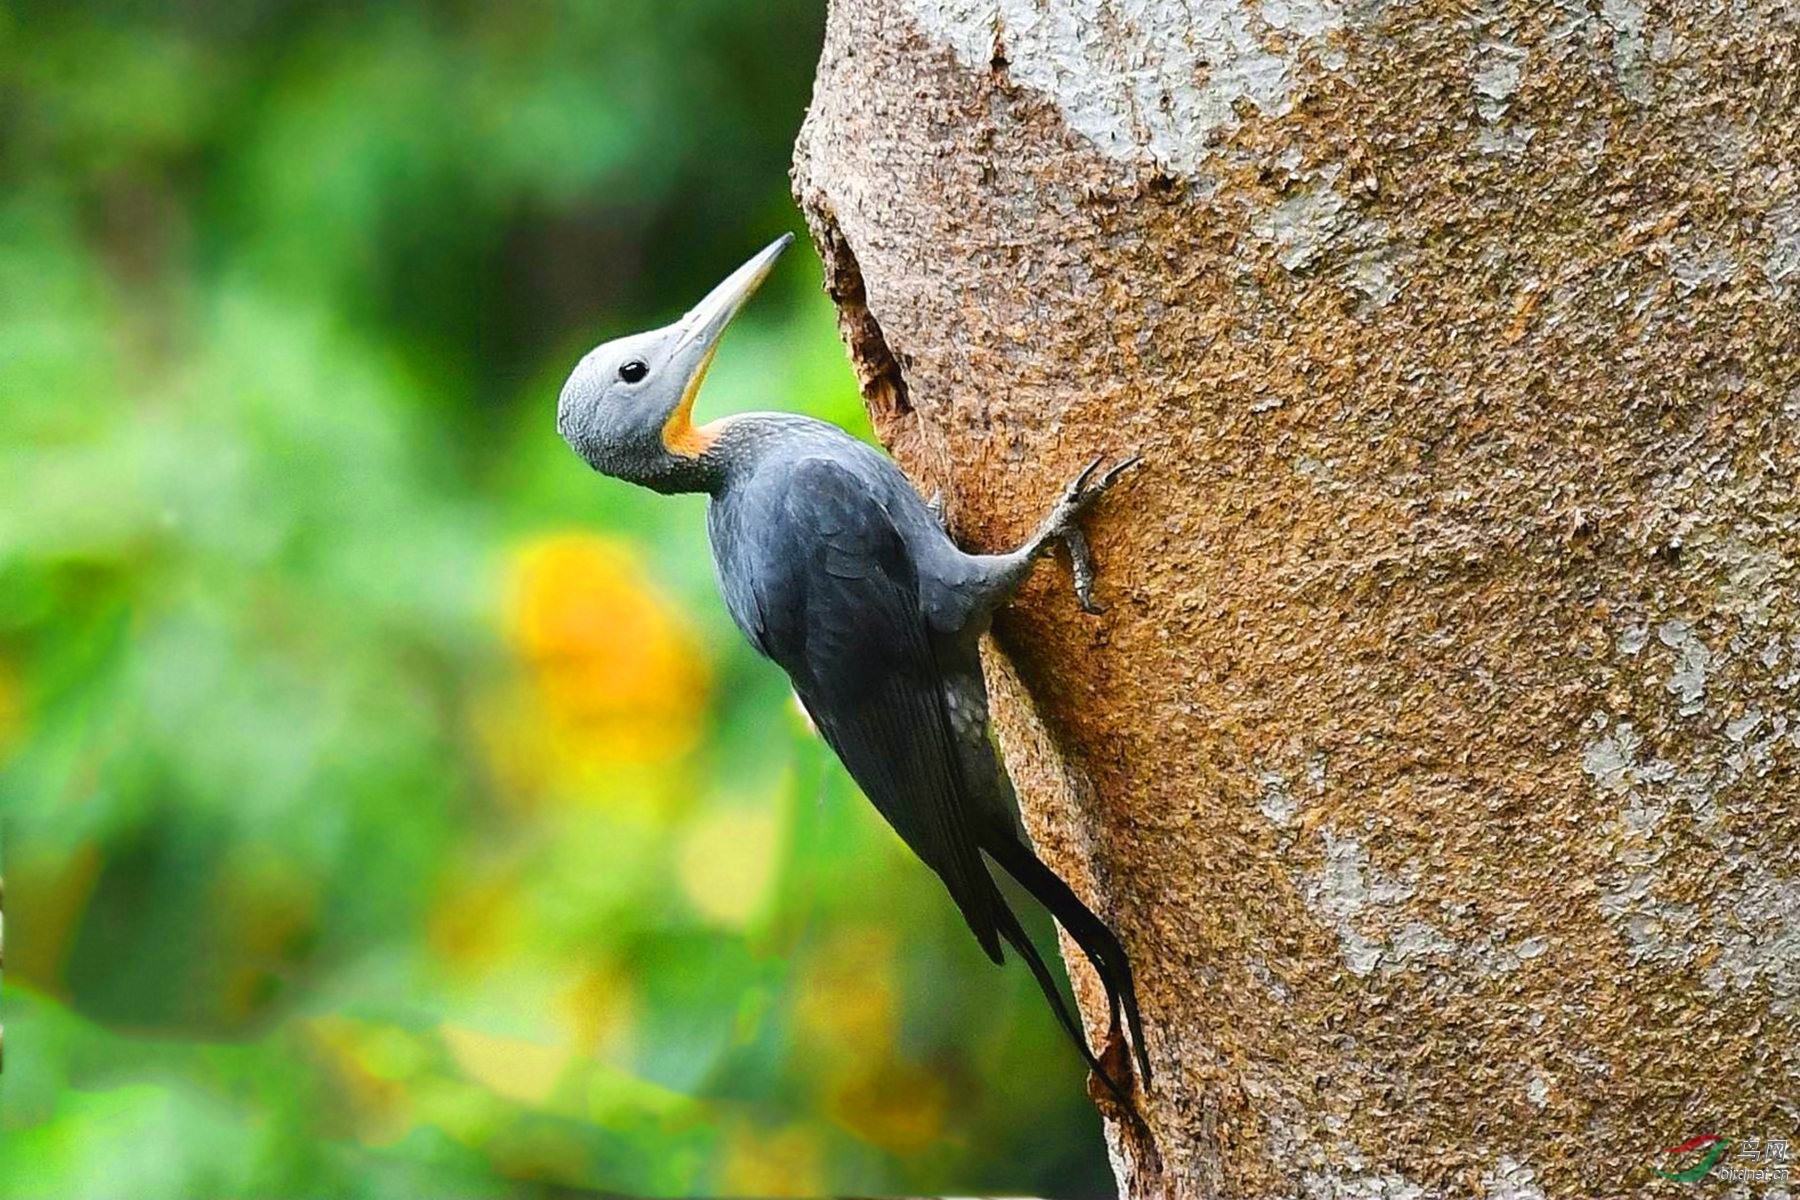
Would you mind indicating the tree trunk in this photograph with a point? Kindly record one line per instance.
(1436, 758)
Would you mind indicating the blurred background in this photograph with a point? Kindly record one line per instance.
(390, 809)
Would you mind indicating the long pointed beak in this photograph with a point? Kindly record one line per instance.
(708, 319)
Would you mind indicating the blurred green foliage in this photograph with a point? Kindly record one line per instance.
(390, 808)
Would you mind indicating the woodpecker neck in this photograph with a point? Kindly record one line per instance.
(722, 450)
(663, 470)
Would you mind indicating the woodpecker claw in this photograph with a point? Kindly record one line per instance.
(1087, 473)
(1082, 491)
(1080, 495)
(1112, 476)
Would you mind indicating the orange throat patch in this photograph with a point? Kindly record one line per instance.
(680, 436)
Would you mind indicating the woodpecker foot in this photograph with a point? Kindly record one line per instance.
(1080, 495)
(1081, 565)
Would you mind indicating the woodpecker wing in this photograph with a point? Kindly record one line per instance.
(829, 591)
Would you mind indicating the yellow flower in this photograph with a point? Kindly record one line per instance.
(615, 670)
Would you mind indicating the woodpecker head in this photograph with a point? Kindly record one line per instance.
(628, 406)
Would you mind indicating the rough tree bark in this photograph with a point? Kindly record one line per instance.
(1437, 756)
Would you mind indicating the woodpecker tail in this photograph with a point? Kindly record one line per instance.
(1014, 933)
(1097, 941)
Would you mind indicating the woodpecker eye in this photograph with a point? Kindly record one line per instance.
(634, 370)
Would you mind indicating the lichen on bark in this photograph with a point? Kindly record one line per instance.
(1437, 755)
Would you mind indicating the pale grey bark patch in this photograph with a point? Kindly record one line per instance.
(1626, 19)
(1144, 79)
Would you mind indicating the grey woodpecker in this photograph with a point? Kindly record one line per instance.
(835, 568)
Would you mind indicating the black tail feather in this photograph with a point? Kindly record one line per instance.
(1014, 933)
(1097, 942)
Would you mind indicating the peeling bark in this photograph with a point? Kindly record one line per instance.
(1436, 759)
